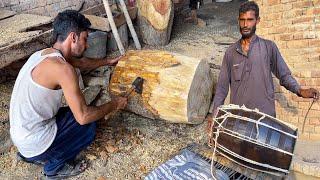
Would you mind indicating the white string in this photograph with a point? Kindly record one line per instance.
(221, 129)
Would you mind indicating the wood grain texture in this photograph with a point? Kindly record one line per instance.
(155, 20)
(177, 88)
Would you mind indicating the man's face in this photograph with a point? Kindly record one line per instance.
(247, 23)
(80, 45)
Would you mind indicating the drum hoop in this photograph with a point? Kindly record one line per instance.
(257, 122)
(229, 158)
(243, 107)
(250, 161)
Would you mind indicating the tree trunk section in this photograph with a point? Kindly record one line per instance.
(155, 18)
(176, 88)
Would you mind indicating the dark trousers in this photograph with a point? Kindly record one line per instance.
(194, 3)
(71, 138)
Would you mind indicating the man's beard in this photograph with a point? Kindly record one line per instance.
(78, 54)
(250, 34)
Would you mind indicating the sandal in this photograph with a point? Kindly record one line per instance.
(68, 170)
(20, 157)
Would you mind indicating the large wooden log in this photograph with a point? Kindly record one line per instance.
(155, 18)
(176, 88)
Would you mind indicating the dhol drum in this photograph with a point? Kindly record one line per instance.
(253, 139)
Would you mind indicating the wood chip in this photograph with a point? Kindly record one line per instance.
(143, 168)
(103, 155)
(91, 157)
(111, 148)
(101, 178)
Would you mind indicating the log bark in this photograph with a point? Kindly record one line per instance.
(155, 18)
(176, 88)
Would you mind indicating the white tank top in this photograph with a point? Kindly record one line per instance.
(32, 109)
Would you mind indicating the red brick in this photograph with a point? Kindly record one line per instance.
(294, 120)
(298, 44)
(316, 2)
(303, 20)
(305, 74)
(286, 37)
(314, 121)
(309, 35)
(314, 43)
(273, 2)
(315, 73)
(274, 16)
(315, 82)
(313, 11)
(315, 58)
(265, 24)
(303, 4)
(298, 36)
(287, 1)
(293, 13)
(298, 27)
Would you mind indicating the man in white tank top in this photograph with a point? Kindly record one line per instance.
(43, 131)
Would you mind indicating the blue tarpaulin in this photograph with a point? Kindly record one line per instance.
(186, 165)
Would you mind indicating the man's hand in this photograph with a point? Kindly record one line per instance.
(309, 93)
(119, 102)
(209, 118)
(114, 61)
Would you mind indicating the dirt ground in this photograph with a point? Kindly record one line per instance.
(129, 146)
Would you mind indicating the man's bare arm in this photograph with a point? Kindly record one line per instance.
(68, 80)
(89, 64)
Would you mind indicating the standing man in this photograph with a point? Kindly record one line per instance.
(248, 66)
(43, 131)
(193, 18)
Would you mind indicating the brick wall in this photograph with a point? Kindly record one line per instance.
(44, 7)
(295, 27)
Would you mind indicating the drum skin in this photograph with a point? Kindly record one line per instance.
(269, 150)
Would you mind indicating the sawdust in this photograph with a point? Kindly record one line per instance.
(129, 146)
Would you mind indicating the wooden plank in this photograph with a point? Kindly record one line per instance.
(6, 14)
(98, 23)
(24, 48)
(102, 24)
(20, 27)
(97, 10)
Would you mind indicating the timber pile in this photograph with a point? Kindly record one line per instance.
(155, 20)
(176, 88)
(96, 15)
(21, 35)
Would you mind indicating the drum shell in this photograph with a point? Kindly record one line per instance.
(270, 146)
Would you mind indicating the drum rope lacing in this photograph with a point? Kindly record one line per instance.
(221, 129)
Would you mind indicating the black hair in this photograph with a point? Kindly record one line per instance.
(69, 21)
(249, 6)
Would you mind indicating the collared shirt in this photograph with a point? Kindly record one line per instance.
(250, 76)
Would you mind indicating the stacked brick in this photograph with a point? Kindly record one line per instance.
(295, 27)
(44, 7)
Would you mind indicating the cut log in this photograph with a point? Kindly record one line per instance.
(155, 18)
(176, 88)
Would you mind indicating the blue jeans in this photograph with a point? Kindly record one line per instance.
(71, 138)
